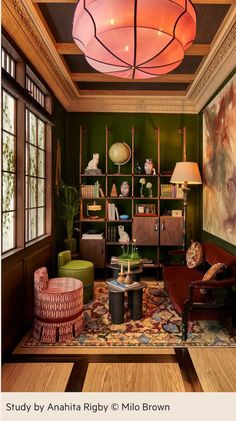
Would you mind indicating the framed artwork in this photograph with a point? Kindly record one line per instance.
(219, 164)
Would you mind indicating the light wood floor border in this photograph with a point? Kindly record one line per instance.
(216, 368)
(180, 359)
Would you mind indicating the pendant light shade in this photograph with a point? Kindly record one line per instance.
(134, 39)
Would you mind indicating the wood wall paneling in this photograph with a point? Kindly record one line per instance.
(14, 304)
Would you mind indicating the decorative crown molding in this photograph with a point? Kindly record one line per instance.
(22, 19)
(218, 65)
(22, 22)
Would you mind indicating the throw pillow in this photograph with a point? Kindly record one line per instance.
(216, 271)
(194, 255)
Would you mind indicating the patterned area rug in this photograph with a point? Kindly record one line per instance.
(160, 326)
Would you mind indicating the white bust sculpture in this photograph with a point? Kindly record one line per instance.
(93, 164)
(124, 236)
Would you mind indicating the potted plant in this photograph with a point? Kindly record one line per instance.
(69, 209)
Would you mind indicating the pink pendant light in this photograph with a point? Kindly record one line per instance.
(134, 39)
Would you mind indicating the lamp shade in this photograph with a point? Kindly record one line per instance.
(134, 39)
(186, 172)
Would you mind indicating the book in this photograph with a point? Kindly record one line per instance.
(117, 213)
(101, 192)
(121, 287)
(111, 212)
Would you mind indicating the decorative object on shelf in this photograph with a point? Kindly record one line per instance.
(124, 189)
(142, 182)
(93, 210)
(185, 173)
(149, 167)
(149, 187)
(92, 167)
(113, 191)
(176, 212)
(134, 40)
(124, 236)
(138, 168)
(120, 154)
(69, 203)
(90, 190)
(124, 217)
(145, 209)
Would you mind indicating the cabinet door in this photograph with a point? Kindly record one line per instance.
(145, 230)
(94, 251)
(171, 229)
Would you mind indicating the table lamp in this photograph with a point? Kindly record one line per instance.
(185, 173)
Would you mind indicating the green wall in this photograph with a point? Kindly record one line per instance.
(145, 144)
(59, 132)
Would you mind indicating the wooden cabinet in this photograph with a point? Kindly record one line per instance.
(171, 229)
(93, 250)
(145, 230)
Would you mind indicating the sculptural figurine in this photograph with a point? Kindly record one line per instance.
(93, 164)
(124, 236)
(124, 188)
(149, 167)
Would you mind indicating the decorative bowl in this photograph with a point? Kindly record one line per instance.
(124, 217)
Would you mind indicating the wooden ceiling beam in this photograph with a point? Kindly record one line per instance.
(101, 77)
(193, 1)
(72, 49)
(98, 92)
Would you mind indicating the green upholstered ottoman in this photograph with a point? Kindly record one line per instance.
(79, 269)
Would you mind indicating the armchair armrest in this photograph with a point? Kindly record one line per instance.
(223, 283)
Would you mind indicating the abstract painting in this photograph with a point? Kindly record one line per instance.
(219, 164)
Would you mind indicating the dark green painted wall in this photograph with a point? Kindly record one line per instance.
(59, 132)
(145, 144)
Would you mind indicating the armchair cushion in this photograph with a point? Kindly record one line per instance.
(194, 255)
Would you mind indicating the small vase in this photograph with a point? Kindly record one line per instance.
(124, 188)
(148, 166)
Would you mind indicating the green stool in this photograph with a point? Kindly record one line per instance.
(79, 269)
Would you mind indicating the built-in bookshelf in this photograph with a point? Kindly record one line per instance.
(150, 219)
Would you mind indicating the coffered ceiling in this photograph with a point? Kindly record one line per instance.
(43, 30)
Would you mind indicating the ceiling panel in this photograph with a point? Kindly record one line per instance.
(134, 86)
(59, 18)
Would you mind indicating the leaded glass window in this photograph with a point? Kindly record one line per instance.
(35, 177)
(8, 172)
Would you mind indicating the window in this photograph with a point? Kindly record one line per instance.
(25, 154)
(34, 91)
(35, 177)
(8, 171)
(8, 63)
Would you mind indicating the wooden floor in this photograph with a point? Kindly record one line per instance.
(164, 370)
(55, 369)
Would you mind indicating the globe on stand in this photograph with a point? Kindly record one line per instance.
(120, 154)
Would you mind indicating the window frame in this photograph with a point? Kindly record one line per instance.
(16, 88)
(14, 135)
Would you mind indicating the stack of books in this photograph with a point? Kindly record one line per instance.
(88, 236)
(121, 287)
(111, 234)
(171, 190)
